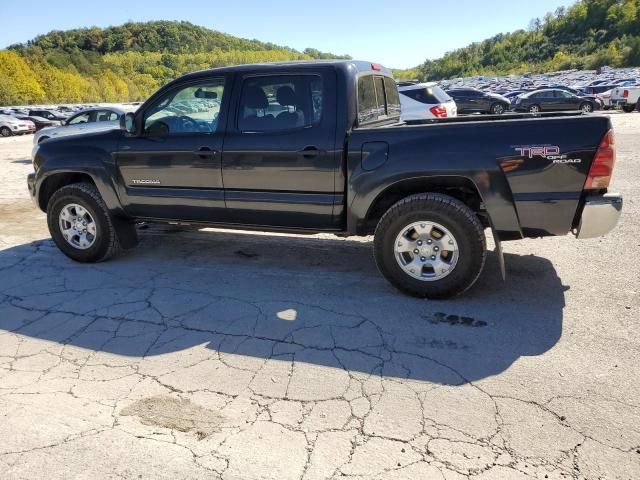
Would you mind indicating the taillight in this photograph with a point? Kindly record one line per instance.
(625, 94)
(602, 166)
(438, 111)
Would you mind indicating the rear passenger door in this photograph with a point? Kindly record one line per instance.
(280, 158)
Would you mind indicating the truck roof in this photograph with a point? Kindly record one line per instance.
(358, 65)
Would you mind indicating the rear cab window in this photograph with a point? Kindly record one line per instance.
(378, 99)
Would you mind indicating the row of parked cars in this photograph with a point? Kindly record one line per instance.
(62, 120)
(558, 91)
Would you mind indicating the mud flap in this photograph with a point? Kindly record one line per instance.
(127, 236)
(500, 255)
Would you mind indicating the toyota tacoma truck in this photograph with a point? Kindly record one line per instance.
(319, 147)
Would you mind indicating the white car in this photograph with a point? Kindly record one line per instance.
(420, 101)
(605, 98)
(12, 126)
(103, 118)
(626, 97)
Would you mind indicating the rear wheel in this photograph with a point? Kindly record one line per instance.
(5, 132)
(80, 224)
(430, 245)
(586, 107)
(498, 108)
(628, 108)
(535, 109)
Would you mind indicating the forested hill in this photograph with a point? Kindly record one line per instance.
(156, 36)
(127, 62)
(587, 35)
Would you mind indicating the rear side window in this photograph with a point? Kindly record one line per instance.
(378, 99)
(272, 103)
(427, 95)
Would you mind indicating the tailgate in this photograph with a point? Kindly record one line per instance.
(547, 168)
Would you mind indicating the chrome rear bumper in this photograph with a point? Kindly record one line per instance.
(599, 215)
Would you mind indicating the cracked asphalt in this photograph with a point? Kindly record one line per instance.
(219, 354)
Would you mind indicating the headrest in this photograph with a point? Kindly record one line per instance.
(286, 96)
(255, 97)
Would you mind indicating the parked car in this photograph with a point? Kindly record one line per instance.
(470, 100)
(333, 158)
(39, 122)
(553, 100)
(425, 100)
(12, 126)
(48, 114)
(625, 98)
(84, 121)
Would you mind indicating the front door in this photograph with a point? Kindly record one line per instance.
(280, 157)
(172, 168)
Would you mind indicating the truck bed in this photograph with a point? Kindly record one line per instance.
(529, 169)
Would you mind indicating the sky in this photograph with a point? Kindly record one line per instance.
(396, 34)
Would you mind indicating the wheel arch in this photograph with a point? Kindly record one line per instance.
(459, 187)
(56, 181)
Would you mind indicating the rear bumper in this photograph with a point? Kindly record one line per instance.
(599, 215)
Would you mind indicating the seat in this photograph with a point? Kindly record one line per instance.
(287, 98)
(254, 98)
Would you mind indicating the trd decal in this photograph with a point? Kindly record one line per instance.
(550, 152)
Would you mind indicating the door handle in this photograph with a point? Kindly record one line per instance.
(205, 152)
(309, 152)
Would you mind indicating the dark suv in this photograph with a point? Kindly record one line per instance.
(48, 114)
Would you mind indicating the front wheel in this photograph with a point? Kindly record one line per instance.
(5, 132)
(80, 224)
(535, 109)
(430, 245)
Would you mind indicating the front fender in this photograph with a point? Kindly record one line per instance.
(70, 157)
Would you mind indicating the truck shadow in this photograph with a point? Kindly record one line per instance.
(319, 301)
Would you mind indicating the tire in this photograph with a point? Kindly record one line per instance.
(451, 217)
(498, 108)
(5, 132)
(586, 107)
(535, 109)
(84, 195)
(628, 108)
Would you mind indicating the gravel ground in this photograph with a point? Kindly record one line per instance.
(219, 354)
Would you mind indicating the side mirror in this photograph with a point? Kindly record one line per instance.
(128, 123)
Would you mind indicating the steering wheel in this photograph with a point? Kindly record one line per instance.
(188, 123)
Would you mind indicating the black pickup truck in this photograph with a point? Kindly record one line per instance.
(319, 147)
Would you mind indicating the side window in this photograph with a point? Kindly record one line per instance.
(106, 116)
(281, 102)
(78, 119)
(190, 109)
